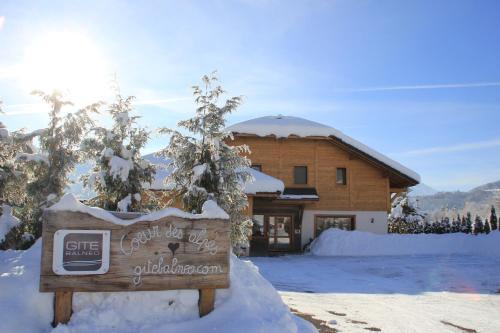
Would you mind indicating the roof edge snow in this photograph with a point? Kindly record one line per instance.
(286, 126)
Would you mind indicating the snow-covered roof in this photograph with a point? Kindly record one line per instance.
(261, 183)
(285, 126)
(298, 196)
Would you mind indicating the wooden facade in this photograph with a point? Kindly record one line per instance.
(367, 187)
(364, 195)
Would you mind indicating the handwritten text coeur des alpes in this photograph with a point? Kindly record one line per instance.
(160, 265)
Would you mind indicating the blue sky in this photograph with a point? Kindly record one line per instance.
(417, 80)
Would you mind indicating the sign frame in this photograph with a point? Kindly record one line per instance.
(58, 252)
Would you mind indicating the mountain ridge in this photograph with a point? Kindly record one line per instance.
(477, 201)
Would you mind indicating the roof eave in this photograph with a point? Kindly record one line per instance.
(409, 181)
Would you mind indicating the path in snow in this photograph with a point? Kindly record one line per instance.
(391, 293)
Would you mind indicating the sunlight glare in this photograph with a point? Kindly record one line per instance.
(67, 61)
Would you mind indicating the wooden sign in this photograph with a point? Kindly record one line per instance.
(83, 253)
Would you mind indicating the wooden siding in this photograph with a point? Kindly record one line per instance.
(367, 187)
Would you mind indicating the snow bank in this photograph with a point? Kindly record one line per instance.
(210, 210)
(22, 308)
(284, 126)
(250, 305)
(336, 242)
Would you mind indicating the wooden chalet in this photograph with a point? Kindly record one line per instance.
(309, 177)
(329, 180)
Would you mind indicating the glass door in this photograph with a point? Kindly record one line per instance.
(258, 242)
(280, 232)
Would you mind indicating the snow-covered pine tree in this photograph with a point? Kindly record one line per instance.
(427, 227)
(445, 225)
(487, 227)
(478, 225)
(120, 172)
(11, 191)
(205, 167)
(493, 218)
(456, 224)
(58, 154)
(468, 223)
(404, 217)
(463, 225)
(14, 175)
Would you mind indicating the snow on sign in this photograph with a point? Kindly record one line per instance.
(87, 249)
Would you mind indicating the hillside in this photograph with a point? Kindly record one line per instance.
(477, 201)
(421, 189)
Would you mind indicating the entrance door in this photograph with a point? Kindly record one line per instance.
(258, 243)
(280, 232)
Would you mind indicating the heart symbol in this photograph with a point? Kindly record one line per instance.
(173, 247)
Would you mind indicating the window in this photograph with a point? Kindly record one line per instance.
(300, 175)
(323, 222)
(258, 226)
(341, 176)
(257, 167)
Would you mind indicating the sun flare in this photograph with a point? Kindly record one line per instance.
(69, 62)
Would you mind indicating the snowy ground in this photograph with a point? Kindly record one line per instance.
(250, 305)
(425, 293)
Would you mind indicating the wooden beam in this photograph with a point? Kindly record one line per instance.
(398, 189)
(206, 301)
(266, 194)
(295, 201)
(63, 307)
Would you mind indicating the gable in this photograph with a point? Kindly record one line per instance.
(326, 151)
(366, 189)
(294, 127)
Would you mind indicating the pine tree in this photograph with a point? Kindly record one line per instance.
(468, 223)
(446, 228)
(58, 155)
(120, 172)
(427, 227)
(478, 225)
(205, 166)
(463, 225)
(493, 219)
(404, 217)
(14, 175)
(486, 227)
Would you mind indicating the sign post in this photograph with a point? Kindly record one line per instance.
(83, 253)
